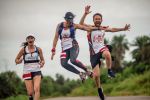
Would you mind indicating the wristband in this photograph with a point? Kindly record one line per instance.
(53, 50)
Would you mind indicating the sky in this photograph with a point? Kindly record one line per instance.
(19, 18)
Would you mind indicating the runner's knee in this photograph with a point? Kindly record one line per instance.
(107, 55)
(36, 89)
(30, 93)
(64, 63)
(96, 75)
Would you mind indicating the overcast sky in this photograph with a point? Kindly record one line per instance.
(18, 18)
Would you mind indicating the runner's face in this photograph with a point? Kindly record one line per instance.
(30, 40)
(69, 22)
(97, 20)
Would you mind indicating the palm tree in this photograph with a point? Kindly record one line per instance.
(142, 51)
(120, 45)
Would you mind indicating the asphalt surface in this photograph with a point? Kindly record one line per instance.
(107, 98)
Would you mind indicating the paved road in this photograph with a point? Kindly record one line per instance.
(107, 98)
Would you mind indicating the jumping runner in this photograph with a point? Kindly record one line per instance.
(66, 31)
(98, 48)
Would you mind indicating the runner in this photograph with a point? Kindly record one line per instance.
(30, 54)
(66, 32)
(98, 48)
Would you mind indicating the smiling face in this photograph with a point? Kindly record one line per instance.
(69, 21)
(97, 19)
(69, 16)
(30, 40)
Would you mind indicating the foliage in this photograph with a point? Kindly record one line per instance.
(120, 45)
(141, 52)
(19, 97)
(10, 84)
(133, 79)
(58, 87)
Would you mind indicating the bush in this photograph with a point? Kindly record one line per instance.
(88, 88)
(58, 87)
(127, 72)
(141, 67)
(47, 87)
(19, 97)
(10, 85)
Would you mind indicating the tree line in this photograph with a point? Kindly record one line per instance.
(12, 85)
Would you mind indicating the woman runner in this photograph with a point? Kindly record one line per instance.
(66, 32)
(30, 54)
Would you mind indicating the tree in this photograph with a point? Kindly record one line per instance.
(10, 84)
(60, 79)
(142, 51)
(47, 86)
(141, 54)
(120, 45)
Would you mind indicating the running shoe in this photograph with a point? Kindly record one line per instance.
(111, 74)
(89, 74)
(100, 93)
(82, 76)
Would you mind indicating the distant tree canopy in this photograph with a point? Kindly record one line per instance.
(120, 45)
(10, 84)
(142, 51)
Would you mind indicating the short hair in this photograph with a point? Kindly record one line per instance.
(98, 15)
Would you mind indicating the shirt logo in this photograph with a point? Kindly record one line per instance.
(98, 38)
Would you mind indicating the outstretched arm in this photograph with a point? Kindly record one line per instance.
(85, 27)
(82, 27)
(126, 28)
(87, 11)
(55, 42)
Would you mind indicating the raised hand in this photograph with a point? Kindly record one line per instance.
(87, 9)
(127, 27)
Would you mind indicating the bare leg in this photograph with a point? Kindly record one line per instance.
(37, 82)
(29, 87)
(107, 56)
(96, 76)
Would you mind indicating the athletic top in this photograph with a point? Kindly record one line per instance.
(31, 60)
(66, 36)
(66, 41)
(96, 41)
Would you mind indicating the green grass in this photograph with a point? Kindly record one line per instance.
(19, 97)
(124, 84)
(87, 88)
(133, 84)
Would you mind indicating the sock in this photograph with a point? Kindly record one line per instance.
(100, 93)
(109, 70)
(30, 97)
